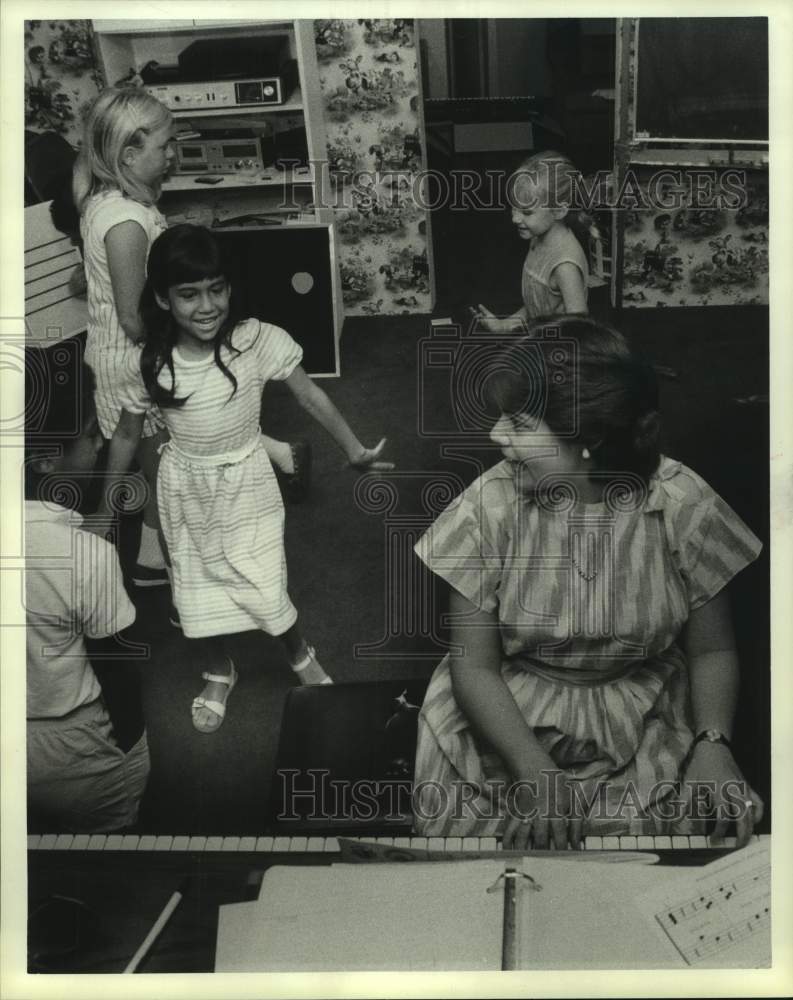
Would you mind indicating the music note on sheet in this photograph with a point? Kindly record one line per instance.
(724, 918)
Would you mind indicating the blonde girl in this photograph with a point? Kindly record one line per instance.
(125, 155)
(542, 196)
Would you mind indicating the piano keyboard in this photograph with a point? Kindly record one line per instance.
(330, 845)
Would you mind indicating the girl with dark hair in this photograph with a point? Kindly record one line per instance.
(594, 662)
(219, 502)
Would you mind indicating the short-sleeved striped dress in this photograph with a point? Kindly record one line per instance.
(558, 246)
(590, 604)
(219, 501)
(107, 345)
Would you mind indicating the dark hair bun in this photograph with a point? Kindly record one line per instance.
(646, 438)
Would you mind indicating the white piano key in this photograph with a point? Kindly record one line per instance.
(214, 844)
(64, 841)
(401, 841)
(197, 843)
(697, 841)
(316, 844)
(418, 843)
(129, 842)
(264, 844)
(680, 843)
(34, 841)
(147, 842)
(96, 842)
(163, 843)
(298, 845)
(645, 843)
(247, 844)
(48, 841)
(721, 843)
(181, 843)
(113, 842)
(593, 843)
(332, 845)
(387, 841)
(471, 844)
(231, 844)
(663, 843)
(281, 843)
(488, 843)
(453, 844)
(628, 843)
(611, 843)
(436, 844)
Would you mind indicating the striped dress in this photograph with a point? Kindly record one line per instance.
(219, 501)
(590, 604)
(558, 246)
(108, 348)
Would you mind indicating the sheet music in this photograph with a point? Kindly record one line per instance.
(723, 918)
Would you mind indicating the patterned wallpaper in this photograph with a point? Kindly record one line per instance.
(369, 82)
(688, 256)
(699, 257)
(61, 77)
(370, 92)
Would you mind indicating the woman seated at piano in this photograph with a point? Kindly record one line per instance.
(593, 678)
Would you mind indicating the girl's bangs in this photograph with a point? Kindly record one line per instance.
(196, 263)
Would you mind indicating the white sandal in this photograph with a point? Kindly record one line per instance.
(306, 662)
(218, 707)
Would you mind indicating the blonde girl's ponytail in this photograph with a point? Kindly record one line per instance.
(119, 117)
(586, 230)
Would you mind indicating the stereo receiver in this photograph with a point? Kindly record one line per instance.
(263, 91)
(225, 73)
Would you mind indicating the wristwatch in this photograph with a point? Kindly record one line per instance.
(711, 736)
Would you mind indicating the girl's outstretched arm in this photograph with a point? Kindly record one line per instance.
(570, 282)
(127, 249)
(315, 401)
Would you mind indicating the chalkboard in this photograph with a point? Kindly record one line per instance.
(702, 78)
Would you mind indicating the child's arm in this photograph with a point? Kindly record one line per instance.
(315, 401)
(122, 450)
(570, 283)
(127, 249)
(509, 324)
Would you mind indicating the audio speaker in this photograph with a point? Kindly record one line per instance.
(283, 275)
